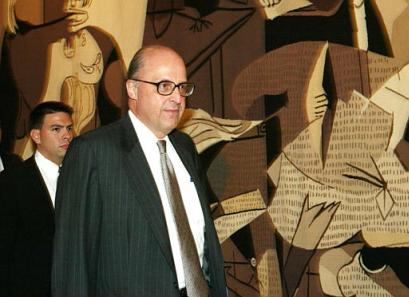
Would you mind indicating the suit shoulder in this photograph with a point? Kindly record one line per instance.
(20, 175)
(21, 166)
(100, 136)
(97, 143)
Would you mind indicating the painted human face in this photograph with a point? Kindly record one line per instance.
(54, 136)
(159, 113)
(83, 54)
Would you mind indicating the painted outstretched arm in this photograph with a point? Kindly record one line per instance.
(311, 227)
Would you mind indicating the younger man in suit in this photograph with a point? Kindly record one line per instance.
(27, 205)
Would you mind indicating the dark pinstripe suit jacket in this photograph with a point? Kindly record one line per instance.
(26, 233)
(111, 237)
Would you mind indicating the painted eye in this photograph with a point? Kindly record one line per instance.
(372, 260)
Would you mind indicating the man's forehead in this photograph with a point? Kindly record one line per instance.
(58, 118)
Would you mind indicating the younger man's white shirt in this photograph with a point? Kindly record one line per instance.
(49, 171)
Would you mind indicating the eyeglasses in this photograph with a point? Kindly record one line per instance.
(166, 87)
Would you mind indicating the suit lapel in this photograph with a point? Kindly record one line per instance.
(39, 183)
(144, 185)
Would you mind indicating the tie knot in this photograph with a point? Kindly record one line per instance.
(162, 146)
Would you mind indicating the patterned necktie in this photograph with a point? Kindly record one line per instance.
(196, 285)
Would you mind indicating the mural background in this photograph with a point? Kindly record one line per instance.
(303, 122)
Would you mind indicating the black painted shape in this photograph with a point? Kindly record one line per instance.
(204, 7)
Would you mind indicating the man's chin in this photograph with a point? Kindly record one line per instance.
(62, 153)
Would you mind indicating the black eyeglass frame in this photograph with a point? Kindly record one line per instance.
(157, 84)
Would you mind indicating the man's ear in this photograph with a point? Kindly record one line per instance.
(35, 136)
(131, 89)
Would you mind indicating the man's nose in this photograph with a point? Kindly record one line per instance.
(176, 97)
(67, 134)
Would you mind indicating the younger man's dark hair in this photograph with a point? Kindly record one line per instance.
(41, 110)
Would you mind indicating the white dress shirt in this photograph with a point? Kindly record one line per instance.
(49, 171)
(187, 188)
(1, 165)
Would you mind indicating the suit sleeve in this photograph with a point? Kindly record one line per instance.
(77, 224)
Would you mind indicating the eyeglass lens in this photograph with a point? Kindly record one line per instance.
(167, 88)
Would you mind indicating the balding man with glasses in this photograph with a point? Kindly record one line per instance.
(132, 215)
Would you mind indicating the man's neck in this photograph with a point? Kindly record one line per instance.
(42, 155)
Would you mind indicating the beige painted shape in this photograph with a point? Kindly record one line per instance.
(7, 17)
(57, 70)
(389, 239)
(400, 38)
(227, 225)
(316, 101)
(276, 8)
(244, 202)
(390, 12)
(81, 97)
(239, 211)
(78, 62)
(356, 170)
(273, 171)
(393, 97)
(385, 202)
(123, 21)
(330, 263)
(360, 207)
(312, 224)
(358, 16)
(380, 69)
(206, 130)
(360, 131)
(79, 57)
(355, 281)
(7, 20)
(395, 27)
(268, 272)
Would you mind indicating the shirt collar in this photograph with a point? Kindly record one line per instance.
(143, 132)
(46, 164)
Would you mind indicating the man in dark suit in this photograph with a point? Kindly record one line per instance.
(26, 205)
(115, 233)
